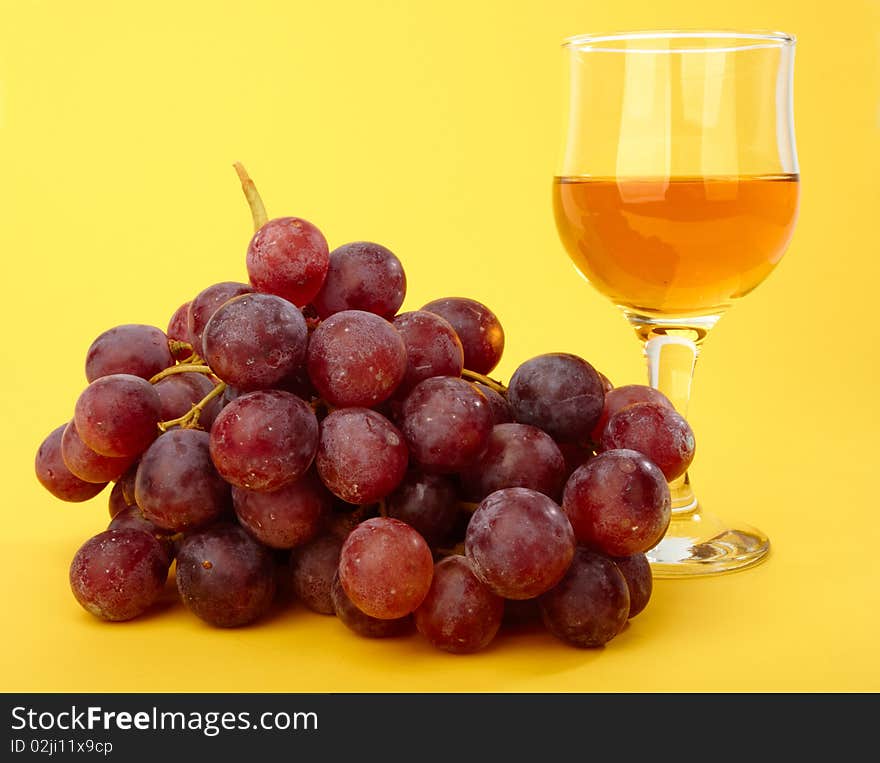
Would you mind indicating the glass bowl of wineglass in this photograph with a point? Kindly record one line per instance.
(676, 195)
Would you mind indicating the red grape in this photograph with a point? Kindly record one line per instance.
(286, 517)
(427, 502)
(502, 413)
(459, 614)
(178, 393)
(637, 572)
(661, 433)
(54, 475)
(519, 542)
(518, 455)
(117, 415)
(618, 503)
(288, 257)
(432, 348)
(620, 397)
(206, 303)
(385, 568)
(130, 349)
(606, 382)
(362, 276)
(127, 481)
(132, 518)
(178, 330)
(589, 606)
(224, 576)
(360, 622)
(117, 501)
(361, 455)
(177, 487)
(479, 329)
(312, 569)
(559, 393)
(264, 440)
(447, 424)
(356, 358)
(85, 463)
(255, 340)
(118, 574)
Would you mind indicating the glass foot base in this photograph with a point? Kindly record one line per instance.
(698, 544)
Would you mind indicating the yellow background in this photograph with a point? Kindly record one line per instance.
(434, 129)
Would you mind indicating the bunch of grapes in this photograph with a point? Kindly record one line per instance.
(298, 433)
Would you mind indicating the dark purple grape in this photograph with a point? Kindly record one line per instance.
(54, 475)
(636, 571)
(447, 424)
(288, 257)
(132, 518)
(362, 276)
(206, 303)
(620, 397)
(502, 413)
(117, 502)
(661, 433)
(428, 502)
(84, 463)
(224, 576)
(559, 393)
(229, 394)
(519, 612)
(459, 614)
(356, 358)
(346, 517)
(432, 348)
(618, 503)
(264, 440)
(479, 329)
(385, 568)
(361, 455)
(177, 487)
(518, 455)
(178, 331)
(287, 517)
(575, 455)
(130, 349)
(312, 569)
(178, 393)
(519, 542)
(589, 606)
(360, 622)
(606, 382)
(117, 415)
(299, 384)
(255, 340)
(118, 574)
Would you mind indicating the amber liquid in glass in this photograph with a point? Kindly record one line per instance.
(680, 246)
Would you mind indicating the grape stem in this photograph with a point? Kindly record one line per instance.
(176, 346)
(190, 419)
(491, 383)
(468, 506)
(258, 210)
(181, 368)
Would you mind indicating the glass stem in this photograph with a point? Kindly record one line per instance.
(671, 360)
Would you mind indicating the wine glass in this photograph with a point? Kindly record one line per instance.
(677, 195)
